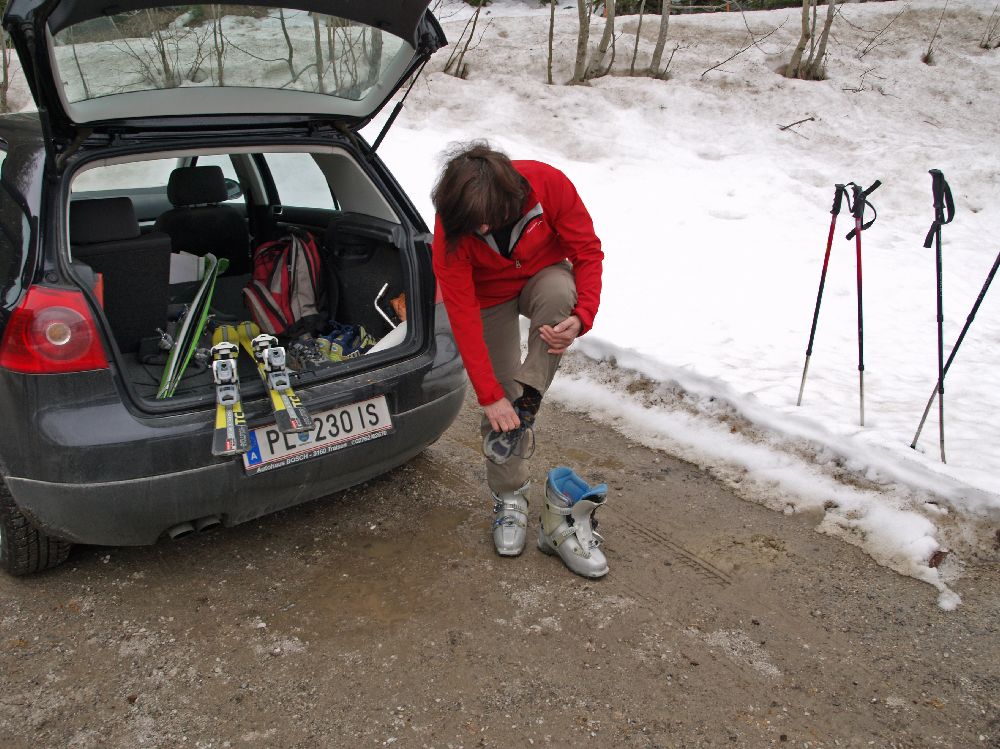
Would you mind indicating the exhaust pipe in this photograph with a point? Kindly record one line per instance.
(207, 523)
(180, 531)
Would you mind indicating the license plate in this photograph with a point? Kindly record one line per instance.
(332, 430)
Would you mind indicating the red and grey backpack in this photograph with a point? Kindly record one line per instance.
(286, 295)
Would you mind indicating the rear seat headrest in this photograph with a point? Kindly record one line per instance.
(102, 220)
(196, 185)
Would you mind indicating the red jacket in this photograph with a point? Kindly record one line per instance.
(474, 275)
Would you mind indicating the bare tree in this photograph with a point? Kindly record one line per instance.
(638, 33)
(752, 41)
(348, 57)
(928, 56)
(71, 32)
(318, 51)
(661, 40)
(597, 58)
(991, 36)
(159, 41)
(332, 23)
(218, 45)
(811, 69)
(456, 61)
(156, 52)
(373, 54)
(552, 31)
(582, 40)
(880, 37)
(288, 42)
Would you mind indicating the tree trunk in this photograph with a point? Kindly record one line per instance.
(812, 32)
(552, 30)
(76, 60)
(288, 43)
(792, 71)
(582, 39)
(318, 46)
(375, 57)
(331, 51)
(638, 33)
(460, 70)
(169, 78)
(661, 39)
(597, 59)
(219, 44)
(816, 65)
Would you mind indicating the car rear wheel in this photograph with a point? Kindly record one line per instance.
(23, 548)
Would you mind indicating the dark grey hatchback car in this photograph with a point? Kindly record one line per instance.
(165, 133)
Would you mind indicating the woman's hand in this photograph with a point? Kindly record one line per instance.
(561, 335)
(502, 416)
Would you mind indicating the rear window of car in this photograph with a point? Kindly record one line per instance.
(253, 46)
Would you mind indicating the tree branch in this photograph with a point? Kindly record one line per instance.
(752, 43)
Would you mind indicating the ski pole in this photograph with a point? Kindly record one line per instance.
(941, 193)
(858, 210)
(838, 196)
(961, 336)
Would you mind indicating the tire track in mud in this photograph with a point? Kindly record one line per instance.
(669, 550)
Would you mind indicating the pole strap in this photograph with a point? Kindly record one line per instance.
(943, 200)
(858, 205)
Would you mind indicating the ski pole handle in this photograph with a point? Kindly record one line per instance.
(838, 198)
(942, 194)
(943, 201)
(858, 205)
(860, 196)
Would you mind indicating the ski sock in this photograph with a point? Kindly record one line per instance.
(530, 400)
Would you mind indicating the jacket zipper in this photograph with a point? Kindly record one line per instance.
(524, 230)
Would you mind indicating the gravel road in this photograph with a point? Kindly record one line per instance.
(382, 617)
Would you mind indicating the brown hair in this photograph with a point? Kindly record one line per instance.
(478, 185)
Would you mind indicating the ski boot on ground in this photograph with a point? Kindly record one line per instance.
(510, 521)
(499, 447)
(568, 522)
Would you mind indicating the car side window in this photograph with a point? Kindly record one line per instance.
(299, 181)
(122, 178)
(143, 182)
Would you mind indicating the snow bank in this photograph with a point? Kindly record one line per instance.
(714, 222)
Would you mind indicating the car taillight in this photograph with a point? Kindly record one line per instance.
(52, 331)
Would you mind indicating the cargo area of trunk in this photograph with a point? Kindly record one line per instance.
(364, 303)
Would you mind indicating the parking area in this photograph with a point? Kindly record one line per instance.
(382, 617)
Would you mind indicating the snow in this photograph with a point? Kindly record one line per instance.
(714, 222)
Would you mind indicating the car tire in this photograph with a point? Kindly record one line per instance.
(23, 548)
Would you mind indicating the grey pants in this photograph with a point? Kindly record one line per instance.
(547, 299)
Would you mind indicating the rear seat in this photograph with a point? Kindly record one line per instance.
(199, 224)
(104, 234)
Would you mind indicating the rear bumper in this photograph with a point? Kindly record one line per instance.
(138, 511)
